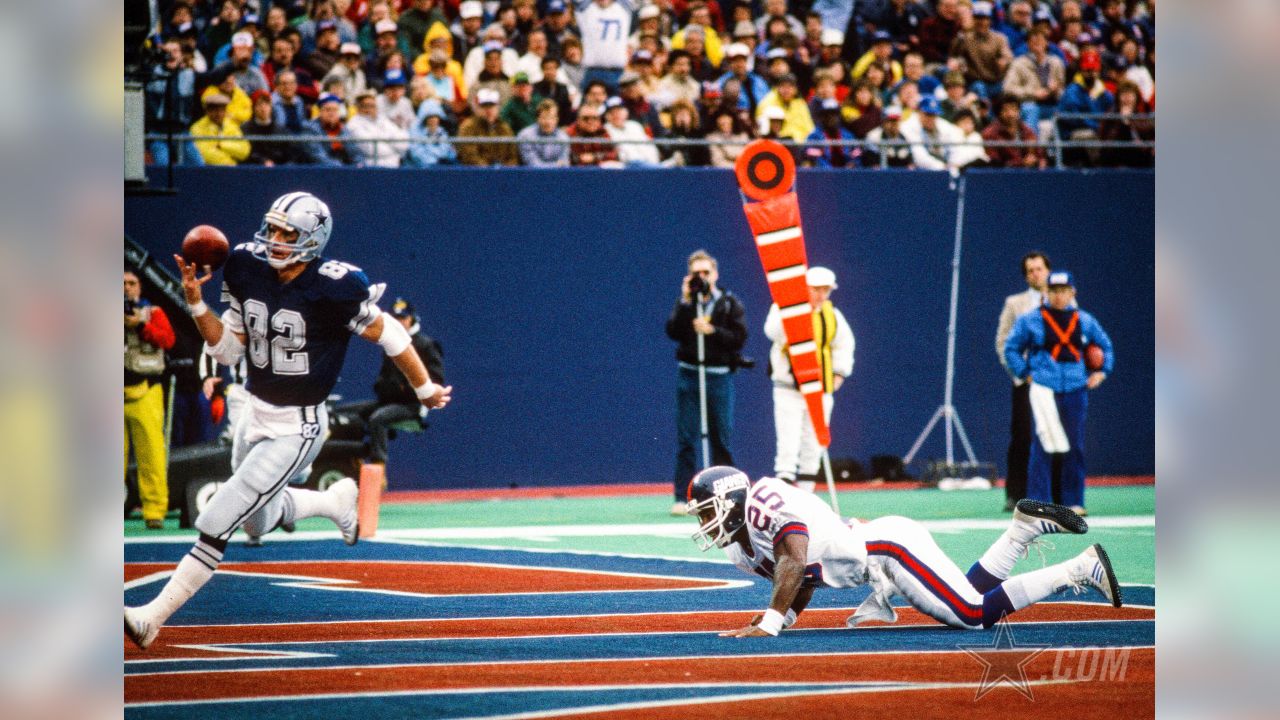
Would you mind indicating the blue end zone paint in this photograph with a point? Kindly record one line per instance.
(248, 599)
(427, 705)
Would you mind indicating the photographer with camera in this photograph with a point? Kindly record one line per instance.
(799, 456)
(147, 335)
(708, 324)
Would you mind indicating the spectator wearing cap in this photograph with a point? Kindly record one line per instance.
(932, 138)
(264, 123)
(431, 145)
(938, 32)
(545, 127)
(830, 49)
(467, 28)
(392, 103)
(334, 148)
(770, 121)
(880, 54)
(486, 124)
(729, 138)
(861, 112)
(367, 37)
(635, 145)
(396, 401)
(284, 58)
(902, 20)
(777, 10)
(371, 125)
(1053, 338)
(557, 21)
(678, 84)
(1036, 79)
(699, 23)
(247, 37)
(554, 88)
(639, 109)
(887, 145)
(415, 22)
(785, 96)
(521, 109)
(349, 69)
(225, 145)
(325, 55)
(387, 44)
(829, 128)
(171, 107)
(480, 61)
(1010, 126)
(604, 26)
(1085, 94)
(649, 24)
(590, 140)
(984, 54)
(799, 456)
(322, 18)
(957, 98)
(223, 82)
(491, 76)
(753, 87)
(684, 125)
(241, 63)
(642, 65)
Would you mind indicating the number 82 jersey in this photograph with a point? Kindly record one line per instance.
(296, 333)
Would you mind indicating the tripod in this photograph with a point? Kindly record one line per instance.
(947, 412)
(699, 301)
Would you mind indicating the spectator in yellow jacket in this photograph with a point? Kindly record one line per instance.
(880, 54)
(239, 106)
(798, 123)
(231, 148)
(700, 15)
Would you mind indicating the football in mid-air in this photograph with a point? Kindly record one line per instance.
(1094, 357)
(205, 245)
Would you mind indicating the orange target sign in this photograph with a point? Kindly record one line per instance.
(765, 169)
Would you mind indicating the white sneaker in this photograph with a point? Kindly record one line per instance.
(140, 630)
(1048, 518)
(1092, 568)
(347, 493)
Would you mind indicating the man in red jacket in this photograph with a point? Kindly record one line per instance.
(147, 334)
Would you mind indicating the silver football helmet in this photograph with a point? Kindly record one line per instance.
(300, 212)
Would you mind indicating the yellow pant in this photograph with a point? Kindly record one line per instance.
(144, 424)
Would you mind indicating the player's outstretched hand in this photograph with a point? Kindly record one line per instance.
(748, 631)
(440, 398)
(190, 283)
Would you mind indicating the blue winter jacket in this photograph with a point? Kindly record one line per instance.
(1028, 336)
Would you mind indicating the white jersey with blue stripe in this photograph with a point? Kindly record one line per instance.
(296, 332)
(605, 32)
(837, 554)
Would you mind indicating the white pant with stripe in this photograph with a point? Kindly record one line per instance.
(905, 555)
(271, 445)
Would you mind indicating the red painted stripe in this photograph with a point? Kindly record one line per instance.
(957, 603)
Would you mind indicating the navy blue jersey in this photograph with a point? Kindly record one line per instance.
(296, 332)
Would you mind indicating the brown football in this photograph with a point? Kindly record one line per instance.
(205, 245)
(1094, 357)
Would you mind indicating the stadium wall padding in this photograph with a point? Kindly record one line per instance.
(549, 291)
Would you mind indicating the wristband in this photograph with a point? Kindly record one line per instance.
(425, 390)
(771, 622)
(198, 309)
(790, 619)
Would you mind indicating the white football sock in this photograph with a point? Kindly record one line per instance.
(310, 503)
(192, 573)
(1030, 588)
(1005, 552)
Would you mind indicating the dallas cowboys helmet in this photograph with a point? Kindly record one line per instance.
(299, 212)
(718, 498)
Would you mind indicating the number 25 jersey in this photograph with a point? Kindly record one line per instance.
(296, 332)
(837, 555)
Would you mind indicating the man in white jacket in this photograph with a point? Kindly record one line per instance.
(641, 152)
(799, 457)
(368, 124)
(934, 141)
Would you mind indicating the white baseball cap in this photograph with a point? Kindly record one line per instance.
(242, 39)
(737, 50)
(487, 96)
(818, 276)
(349, 48)
(832, 36)
(773, 112)
(384, 26)
(470, 9)
(649, 11)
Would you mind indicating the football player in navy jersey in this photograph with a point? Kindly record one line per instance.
(291, 313)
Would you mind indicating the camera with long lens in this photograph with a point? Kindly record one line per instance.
(697, 285)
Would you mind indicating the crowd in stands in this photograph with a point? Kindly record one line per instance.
(933, 84)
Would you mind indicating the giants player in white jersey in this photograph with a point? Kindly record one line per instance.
(291, 313)
(772, 529)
